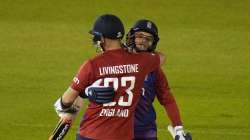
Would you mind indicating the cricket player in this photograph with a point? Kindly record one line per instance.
(117, 68)
(143, 37)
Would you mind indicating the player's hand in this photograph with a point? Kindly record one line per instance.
(61, 111)
(180, 134)
(62, 127)
(100, 94)
(67, 117)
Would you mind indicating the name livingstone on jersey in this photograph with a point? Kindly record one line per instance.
(119, 69)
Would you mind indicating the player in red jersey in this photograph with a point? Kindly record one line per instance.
(143, 36)
(115, 67)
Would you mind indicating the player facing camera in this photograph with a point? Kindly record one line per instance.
(107, 29)
(143, 36)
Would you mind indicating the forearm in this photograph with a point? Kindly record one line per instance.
(79, 103)
(68, 103)
(69, 97)
(167, 100)
(173, 113)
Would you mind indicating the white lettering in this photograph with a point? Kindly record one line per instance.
(65, 129)
(119, 69)
(107, 112)
(124, 113)
(76, 80)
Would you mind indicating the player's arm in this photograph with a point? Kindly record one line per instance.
(82, 79)
(99, 94)
(162, 58)
(69, 97)
(66, 120)
(65, 104)
(68, 105)
(166, 99)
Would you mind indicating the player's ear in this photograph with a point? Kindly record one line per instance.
(102, 40)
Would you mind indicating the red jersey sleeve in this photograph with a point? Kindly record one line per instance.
(166, 98)
(152, 61)
(83, 78)
(157, 61)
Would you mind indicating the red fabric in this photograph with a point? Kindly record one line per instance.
(166, 98)
(118, 122)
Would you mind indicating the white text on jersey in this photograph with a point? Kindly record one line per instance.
(119, 69)
(114, 113)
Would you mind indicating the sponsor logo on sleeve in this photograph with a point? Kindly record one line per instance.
(76, 80)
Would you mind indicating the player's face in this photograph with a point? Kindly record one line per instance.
(143, 40)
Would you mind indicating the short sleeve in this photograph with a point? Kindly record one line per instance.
(83, 77)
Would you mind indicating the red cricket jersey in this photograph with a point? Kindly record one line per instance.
(125, 72)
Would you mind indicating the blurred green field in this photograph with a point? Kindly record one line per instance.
(207, 43)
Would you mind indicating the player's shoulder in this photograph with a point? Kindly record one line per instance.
(149, 55)
(97, 56)
(86, 64)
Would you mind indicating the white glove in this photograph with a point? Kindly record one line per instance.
(73, 109)
(178, 133)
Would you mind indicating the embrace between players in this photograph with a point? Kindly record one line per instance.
(121, 84)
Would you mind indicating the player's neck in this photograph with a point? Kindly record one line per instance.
(112, 44)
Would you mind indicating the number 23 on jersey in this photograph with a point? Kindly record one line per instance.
(128, 82)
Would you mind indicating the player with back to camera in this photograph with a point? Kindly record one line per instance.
(115, 67)
(143, 37)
